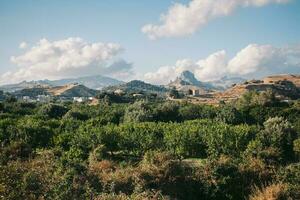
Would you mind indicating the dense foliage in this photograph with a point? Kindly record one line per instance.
(249, 149)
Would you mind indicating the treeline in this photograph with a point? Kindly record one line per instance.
(249, 149)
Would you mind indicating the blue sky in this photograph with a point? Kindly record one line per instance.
(120, 22)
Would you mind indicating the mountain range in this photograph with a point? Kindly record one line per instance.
(69, 90)
(137, 86)
(184, 81)
(94, 82)
(225, 88)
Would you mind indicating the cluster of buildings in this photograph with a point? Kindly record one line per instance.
(49, 98)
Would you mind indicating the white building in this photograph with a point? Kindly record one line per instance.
(119, 92)
(44, 98)
(80, 99)
(27, 99)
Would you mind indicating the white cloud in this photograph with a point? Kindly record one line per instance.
(252, 61)
(255, 57)
(23, 45)
(213, 67)
(119, 69)
(182, 20)
(63, 58)
(162, 76)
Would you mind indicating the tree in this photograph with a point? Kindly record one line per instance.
(139, 111)
(254, 98)
(227, 139)
(53, 110)
(275, 141)
(297, 147)
(174, 93)
(10, 99)
(1, 107)
(229, 114)
(73, 114)
(166, 112)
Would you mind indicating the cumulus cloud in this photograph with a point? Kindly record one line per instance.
(120, 69)
(65, 58)
(182, 20)
(252, 61)
(23, 45)
(213, 67)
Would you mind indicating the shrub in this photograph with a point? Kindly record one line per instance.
(138, 112)
(98, 154)
(272, 192)
(15, 151)
(53, 110)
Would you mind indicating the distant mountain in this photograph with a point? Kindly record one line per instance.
(137, 86)
(94, 82)
(25, 84)
(187, 79)
(226, 82)
(70, 90)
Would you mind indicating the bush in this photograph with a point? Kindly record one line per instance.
(98, 154)
(271, 192)
(53, 110)
(138, 112)
(229, 115)
(278, 135)
(15, 151)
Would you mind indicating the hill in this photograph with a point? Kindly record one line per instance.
(187, 80)
(284, 86)
(137, 86)
(70, 90)
(226, 82)
(94, 82)
(25, 85)
(295, 79)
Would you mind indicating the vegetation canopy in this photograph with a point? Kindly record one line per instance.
(247, 149)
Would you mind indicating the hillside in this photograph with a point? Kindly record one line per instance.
(187, 80)
(70, 90)
(137, 86)
(24, 85)
(226, 82)
(31, 92)
(284, 86)
(93, 82)
(277, 78)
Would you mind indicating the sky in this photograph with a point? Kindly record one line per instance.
(149, 40)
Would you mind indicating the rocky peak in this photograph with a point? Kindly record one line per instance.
(188, 77)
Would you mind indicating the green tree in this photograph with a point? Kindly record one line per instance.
(174, 93)
(138, 112)
(166, 112)
(53, 110)
(229, 114)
